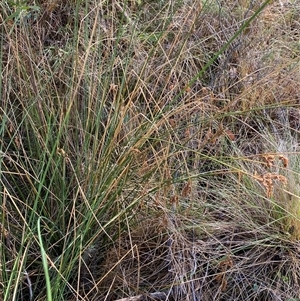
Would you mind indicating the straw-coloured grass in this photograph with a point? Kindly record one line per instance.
(149, 149)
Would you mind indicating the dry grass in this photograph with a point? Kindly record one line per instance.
(147, 178)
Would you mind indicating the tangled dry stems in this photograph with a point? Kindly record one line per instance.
(207, 231)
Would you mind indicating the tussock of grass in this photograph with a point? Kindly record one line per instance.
(149, 149)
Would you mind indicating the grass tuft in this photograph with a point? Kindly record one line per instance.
(149, 149)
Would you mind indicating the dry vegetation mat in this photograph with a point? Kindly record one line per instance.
(149, 150)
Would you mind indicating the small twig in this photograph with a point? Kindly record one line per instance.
(157, 296)
(29, 285)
